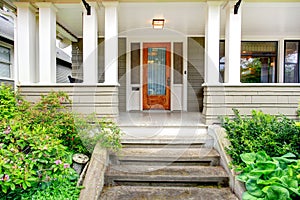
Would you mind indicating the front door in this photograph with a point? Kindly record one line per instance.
(156, 76)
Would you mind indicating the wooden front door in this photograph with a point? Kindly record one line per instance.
(156, 76)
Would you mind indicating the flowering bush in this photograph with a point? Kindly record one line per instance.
(31, 152)
(37, 141)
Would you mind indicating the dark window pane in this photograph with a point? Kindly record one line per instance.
(135, 63)
(221, 61)
(178, 62)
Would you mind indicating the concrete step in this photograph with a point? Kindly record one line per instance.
(165, 175)
(164, 130)
(166, 193)
(166, 156)
(141, 140)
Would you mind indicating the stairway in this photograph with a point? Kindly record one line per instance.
(166, 166)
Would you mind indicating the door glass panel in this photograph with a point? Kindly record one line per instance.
(156, 71)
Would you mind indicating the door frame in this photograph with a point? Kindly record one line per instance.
(146, 97)
(139, 98)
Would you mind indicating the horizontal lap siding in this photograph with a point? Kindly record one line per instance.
(102, 100)
(122, 74)
(195, 73)
(276, 99)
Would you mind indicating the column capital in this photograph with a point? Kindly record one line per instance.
(25, 5)
(46, 5)
(214, 2)
(110, 3)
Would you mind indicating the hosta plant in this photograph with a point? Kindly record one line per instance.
(269, 178)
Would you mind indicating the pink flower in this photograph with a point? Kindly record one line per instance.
(7, 130)
(19, 102)
(66, 165)
(57, 162)
(5, 178)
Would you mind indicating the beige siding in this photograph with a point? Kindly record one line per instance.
(195, 73)
(102, 100)
(77, 60)
(274, 99)
(122, 74)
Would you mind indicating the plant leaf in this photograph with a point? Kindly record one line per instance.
(248, 158)
(253, 188)
(247, 196)
(276, 192)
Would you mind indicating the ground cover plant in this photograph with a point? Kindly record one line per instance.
(269, 178)
(37, 142)
(265, 150)
(276, 135)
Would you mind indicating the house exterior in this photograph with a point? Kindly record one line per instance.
(209, 57)
(8, 69)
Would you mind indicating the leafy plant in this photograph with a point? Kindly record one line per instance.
(37, 141)
(272, 134)
(251, 70)
(56, 190)
(269, 178)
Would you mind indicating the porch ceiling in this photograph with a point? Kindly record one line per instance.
(259, 19)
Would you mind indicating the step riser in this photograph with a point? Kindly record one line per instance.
(166, 163)
(161, 182)
(167, 184)
(164, 145)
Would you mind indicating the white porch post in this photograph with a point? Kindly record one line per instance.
(90, 45)
(232, 44)
(111, 42)
(47, 42)
(26, 45)
(212, 41)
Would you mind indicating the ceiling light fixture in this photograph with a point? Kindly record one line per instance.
(158, 23)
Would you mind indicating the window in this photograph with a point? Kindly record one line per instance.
(258, 61)
(135, 63)
(222, 61)
(178, 62)
(291, 61)
(5, 62)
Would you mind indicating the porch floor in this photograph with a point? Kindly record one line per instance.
(160, 119)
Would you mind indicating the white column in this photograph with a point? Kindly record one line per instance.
(26, 45)
(232, 44)
(90, 45)
(281, 62)
(111, 42)
(47, 42)
(212, 42)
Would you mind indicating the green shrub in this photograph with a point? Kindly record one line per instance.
(37, 141)
(269, 178)
(261, 132)
(56, 190)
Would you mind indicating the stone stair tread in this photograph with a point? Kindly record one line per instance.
(167, 154)
(176, 139)
(166, 193)
(191, 173)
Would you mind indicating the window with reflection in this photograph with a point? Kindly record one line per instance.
(5, 62)
(258, 61)
(291, 61)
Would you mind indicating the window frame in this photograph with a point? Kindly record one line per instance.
(256, 55)
(11, 72)
(297, 64)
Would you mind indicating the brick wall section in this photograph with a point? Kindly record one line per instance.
(99, 99)
(274, 99)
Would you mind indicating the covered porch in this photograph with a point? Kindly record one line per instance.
(109, 39)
